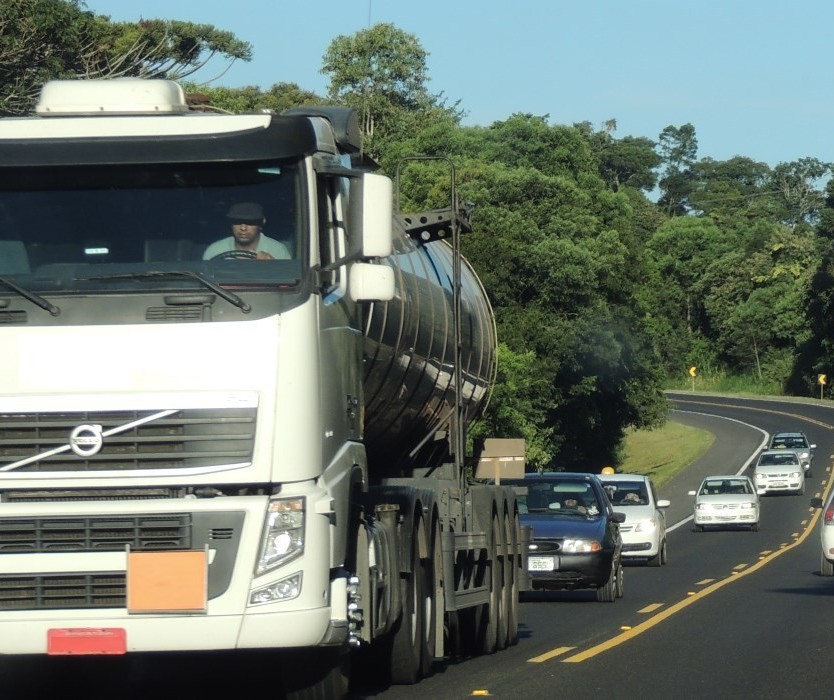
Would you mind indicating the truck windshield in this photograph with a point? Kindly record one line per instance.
(96, 229)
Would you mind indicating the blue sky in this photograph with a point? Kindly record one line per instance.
(754, 77)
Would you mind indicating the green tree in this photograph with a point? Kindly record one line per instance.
(381, 72)
(279, 97)
(678, 148)
(45, 39)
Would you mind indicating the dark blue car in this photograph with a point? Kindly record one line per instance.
(576, 534)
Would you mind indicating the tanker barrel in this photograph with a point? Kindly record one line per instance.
(409, 380)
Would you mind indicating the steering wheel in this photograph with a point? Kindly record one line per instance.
(236, 255)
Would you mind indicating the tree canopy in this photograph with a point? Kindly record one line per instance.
(602, 295)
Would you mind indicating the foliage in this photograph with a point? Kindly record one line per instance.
(601, 296)
(381, 72)
(48, 39)
(278, 98)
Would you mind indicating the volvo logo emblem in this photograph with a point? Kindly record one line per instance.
(86, 440)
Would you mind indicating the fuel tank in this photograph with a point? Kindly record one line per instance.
(410, 353)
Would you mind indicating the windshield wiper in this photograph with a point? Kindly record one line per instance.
(36, 299)
(231, 297)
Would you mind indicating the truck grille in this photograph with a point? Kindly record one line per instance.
(219, 531)
(62, 591)
(184, 439)
(95, 534)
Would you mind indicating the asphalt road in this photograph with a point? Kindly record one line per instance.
(734, 614)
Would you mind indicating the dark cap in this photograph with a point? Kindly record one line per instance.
(249, 212)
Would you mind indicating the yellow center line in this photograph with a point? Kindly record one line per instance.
(550, 654)
(659, 617)
(693, 597)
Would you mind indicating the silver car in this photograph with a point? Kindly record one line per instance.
(726, 501)
(799, 443)
(644, 528)
(779, 471)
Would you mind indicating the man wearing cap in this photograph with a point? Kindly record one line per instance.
(247, 219)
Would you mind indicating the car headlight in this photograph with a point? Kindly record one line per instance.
(795, 475)
(581, 546)
(283, 534)
(702, 506)
(760, 475)
(648, 525)
(747, 506)
(804, 455)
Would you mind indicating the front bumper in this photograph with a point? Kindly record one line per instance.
(749, 517)
(780, 486)
(571, 571)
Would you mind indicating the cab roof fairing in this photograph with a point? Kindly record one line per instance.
(285, 137)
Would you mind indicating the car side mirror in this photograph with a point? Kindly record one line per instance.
(618, 517)
(692, 493)
(816, 503)
(813, 447)
(663, 503)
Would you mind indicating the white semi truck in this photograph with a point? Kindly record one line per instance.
(238, 453)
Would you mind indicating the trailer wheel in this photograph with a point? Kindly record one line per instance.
(315, 674)
(406, 656)
(489, 615)
(513, 530)
(502, 553)
(435, 603)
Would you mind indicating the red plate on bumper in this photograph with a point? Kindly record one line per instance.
(86, 640)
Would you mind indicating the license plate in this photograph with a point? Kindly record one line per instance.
(73, 641)
(778, 484)
(541, 563)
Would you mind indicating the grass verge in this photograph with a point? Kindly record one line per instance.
(663, 452)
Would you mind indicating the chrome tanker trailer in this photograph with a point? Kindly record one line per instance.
(235, 396)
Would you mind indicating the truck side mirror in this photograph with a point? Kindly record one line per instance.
(371, 215)
(368, 282)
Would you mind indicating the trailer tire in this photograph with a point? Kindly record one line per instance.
(408, 639)
(505, 586)
(434, 601)
(513, 530)
(488, 616)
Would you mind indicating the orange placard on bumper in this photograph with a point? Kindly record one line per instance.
(167, 582)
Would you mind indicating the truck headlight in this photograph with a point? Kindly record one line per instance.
(283, 535)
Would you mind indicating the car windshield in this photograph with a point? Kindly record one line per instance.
(557, 496)
(628, 493)
(768, 460)
(714, 487)
(789, 441)
(98, 229)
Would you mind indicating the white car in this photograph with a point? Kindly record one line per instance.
(799, 443)
(779, 471)
(723, 501)
(826, 535)
(644, 530)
